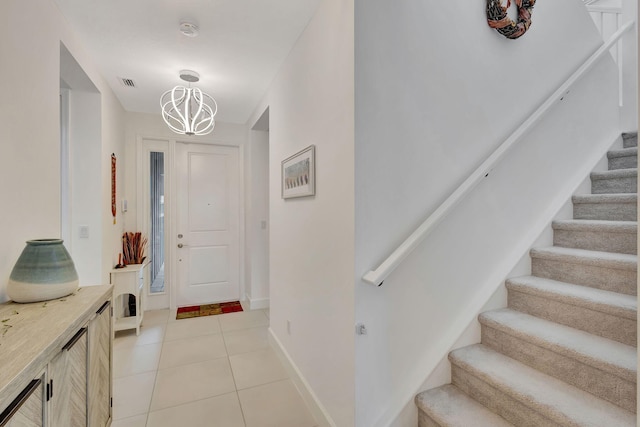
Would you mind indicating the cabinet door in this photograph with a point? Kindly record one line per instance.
(99, 384)
(68, 384)
(26, 410)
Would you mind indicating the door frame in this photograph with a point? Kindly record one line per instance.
(171, 209)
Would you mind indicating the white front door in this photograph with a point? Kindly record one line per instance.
(208, 222)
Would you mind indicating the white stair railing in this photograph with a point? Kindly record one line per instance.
(377, 276)
(607, 15)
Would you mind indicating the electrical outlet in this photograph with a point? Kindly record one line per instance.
(83, 232)
(263, 224)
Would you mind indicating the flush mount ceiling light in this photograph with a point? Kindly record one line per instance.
(187, 110)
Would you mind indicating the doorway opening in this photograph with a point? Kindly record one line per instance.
(80, 169)
(257, 221)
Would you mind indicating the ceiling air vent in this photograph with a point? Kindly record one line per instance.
(127, 82)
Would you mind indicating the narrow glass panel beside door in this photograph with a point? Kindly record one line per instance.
(156, 203)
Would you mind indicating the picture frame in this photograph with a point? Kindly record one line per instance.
(298, 174)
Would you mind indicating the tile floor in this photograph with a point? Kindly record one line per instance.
(214, 371)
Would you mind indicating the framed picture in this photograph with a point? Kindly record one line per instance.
(299, 174)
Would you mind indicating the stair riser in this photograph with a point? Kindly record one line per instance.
(606, 211)
(629, 141)
(624, 243)
(497, 401)
(609, 279)
(602, 324)
(425, 421)
(614, 185)
(602, 384)
(625, 162)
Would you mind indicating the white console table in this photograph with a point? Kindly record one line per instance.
(129, 280)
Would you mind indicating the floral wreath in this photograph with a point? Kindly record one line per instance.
(498, 19)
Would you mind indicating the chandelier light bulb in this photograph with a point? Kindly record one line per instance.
(187, 110)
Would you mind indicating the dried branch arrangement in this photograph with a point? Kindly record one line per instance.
(498, 19)
(133, 246)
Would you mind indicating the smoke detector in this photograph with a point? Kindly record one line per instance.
(189, 29)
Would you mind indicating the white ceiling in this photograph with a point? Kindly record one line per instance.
(241, 45)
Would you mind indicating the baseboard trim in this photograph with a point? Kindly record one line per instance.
(257, 303)
(313, 403)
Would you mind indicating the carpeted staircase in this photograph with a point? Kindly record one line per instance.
(563, 353)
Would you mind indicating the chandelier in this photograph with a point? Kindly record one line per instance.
(187, 110)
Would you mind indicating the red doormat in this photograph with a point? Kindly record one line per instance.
(208, 309)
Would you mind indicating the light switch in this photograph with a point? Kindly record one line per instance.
(263, 224)
(84, 232)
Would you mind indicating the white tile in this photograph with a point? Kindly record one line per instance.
(137, 421)
(276, 404)
(191, 350)
(172, 315)
(150, 334)
(257, 367)
(132, 395)
(136, 359)
(184, 384)
(219, 411)
(155, 317)
(195, 327)
(246, 340)
(243, 320)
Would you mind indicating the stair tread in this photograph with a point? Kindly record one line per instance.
(448, 405)
(616, 173)
(596, 225)
(583, 256)
(606, 198)
(555, 399)
(605, 354)
(613, 303)
(623, 152)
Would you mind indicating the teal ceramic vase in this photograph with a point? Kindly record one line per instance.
(44, 271)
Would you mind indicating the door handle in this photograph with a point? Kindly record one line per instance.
(180, 245)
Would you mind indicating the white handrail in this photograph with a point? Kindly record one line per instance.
(377, 276)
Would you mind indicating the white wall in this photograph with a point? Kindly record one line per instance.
(86, 185)
(30, 128)
(311, 238)
(436, 92)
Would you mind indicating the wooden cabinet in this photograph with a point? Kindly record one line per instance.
(67, 373)
(99, 390)
(56, 361)
(27, 409)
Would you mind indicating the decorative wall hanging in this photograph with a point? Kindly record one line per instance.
(299, 174)
(113, 187)
(498, 19)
